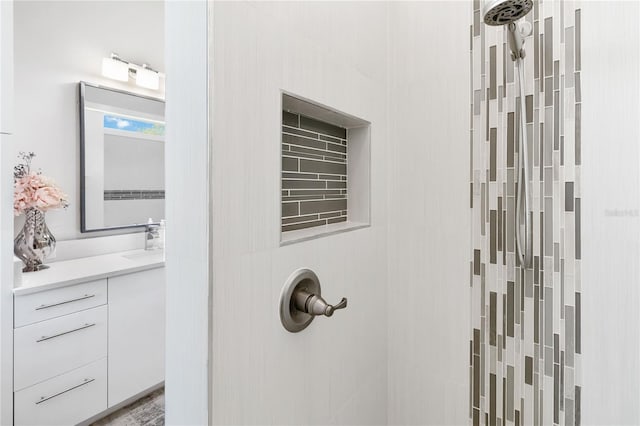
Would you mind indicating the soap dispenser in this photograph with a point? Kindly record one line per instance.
(151, 235)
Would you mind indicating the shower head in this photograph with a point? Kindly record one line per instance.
(503, 12)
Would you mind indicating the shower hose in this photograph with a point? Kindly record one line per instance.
(523, 242)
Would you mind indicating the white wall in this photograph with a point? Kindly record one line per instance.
(57, 44)
(429, 225)
(335, 371)
(6, 212)
(610, 206)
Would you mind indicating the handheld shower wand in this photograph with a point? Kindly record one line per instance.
(507, 12)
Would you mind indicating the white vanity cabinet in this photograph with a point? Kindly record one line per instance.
(83, 349)
(136, 333)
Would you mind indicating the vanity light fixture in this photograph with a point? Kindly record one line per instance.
(147, 77)
(117, 68)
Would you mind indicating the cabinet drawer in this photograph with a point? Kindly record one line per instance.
(53, 347)
(64, 400)
(48, 304)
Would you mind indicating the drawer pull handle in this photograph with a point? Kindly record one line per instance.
(46, 398)
(43, 338)
(86, 296)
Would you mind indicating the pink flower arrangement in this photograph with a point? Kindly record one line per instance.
(32, 190)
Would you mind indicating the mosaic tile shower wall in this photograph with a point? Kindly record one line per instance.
(524, 362)
(314, 172)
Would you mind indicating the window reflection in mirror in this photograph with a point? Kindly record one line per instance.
(122, 136)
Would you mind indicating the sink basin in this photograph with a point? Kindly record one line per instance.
(156, 255)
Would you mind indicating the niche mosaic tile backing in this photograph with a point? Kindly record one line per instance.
(525, 351)
(314, 172)
(133, 194)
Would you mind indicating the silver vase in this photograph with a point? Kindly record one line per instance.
(35, 242)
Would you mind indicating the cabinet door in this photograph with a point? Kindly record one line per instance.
(136, 333)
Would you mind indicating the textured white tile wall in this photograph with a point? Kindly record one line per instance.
(428, 151)
(611, 236)
(333, 372)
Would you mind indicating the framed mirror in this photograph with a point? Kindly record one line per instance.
(122, 137)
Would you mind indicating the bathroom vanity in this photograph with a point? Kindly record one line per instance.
(88, 337)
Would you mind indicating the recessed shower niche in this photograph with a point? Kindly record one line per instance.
(326, 163)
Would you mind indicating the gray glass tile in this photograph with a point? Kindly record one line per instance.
(578, 88)
(303, 192)
(312, 166)
(510, 139)
(297, 226)
(578, 41)
(510, 393)
(548, 225)
(556, 393)
(330, 177)
(339, 184)
(569, 58)
(568, 196)
(529, 108)
(297, 219)
(331, 139)
(303, 184)
(548, 317)
(492, 399)
(577, 232)
(577, 405)
(313, 125)
(578, 323)
(528, 370)
(493, 138)
(492, 317)
(493, 85)
(510, 320)
(578, 134)
(500, 225)
(289, 119)
(548, 94)
(289, 209)
(548, 47)
(286, 175)
(303, 141)
(311, 207)
(536, 49)
(568, 412)
(295, 131)
(476, 23)
(476, 262)
(556, 74)
(302, 150)
(302, 155)
(548, 361)
(556, 120)
(476, 381)
(337, 219)
(303, 198)
(569, 337)
(336, 148)
(483, 204)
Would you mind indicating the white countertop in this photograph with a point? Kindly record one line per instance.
(75, 271)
